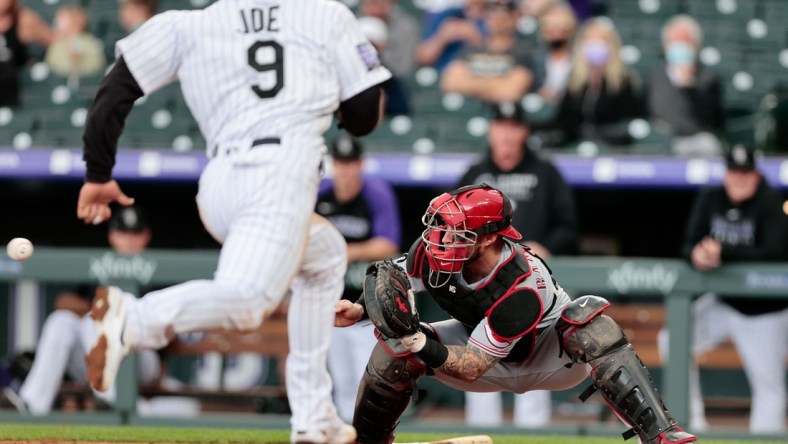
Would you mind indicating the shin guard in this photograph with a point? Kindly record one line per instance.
(626, 385)
(384, 394)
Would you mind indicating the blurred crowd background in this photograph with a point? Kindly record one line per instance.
(682, 78)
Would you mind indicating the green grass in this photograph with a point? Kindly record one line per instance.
(45, 432)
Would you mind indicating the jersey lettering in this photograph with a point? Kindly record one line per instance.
(277, 66)
(252, 68)
(255, 20)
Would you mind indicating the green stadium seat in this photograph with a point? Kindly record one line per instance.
(775, 10)
(146, 139)
(537, 110)
(59, 138)
(460, 134)
(427, 100)
(166, 5)
(192, 138)
(425, 77)
(643, 8)
(735, 9)
(397, 134)
(410, 7)
(17, 119)
(45, 8)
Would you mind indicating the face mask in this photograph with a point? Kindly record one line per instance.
(680, 54)
(556, 44)
(596, 52)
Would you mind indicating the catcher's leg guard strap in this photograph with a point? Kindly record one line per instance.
(624, 381)
(383, 395)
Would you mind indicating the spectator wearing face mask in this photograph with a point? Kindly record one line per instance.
(551, 61)
(685, 100)
(602, 94)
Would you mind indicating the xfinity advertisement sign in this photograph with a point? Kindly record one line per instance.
(630, 276)
(111, 267)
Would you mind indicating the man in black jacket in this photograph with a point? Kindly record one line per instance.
(742, 220)
(545, 207)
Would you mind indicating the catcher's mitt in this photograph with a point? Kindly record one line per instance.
(389, 301)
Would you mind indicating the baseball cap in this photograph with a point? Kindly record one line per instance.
(128, 219)
(509, 111)
(740, 157)
(345, 148)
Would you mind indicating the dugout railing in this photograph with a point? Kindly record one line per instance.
(672, 280)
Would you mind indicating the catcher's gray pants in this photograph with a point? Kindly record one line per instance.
(543, 370)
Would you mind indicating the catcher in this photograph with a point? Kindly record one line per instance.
(512, 327)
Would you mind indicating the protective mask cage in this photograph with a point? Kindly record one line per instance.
(448, 243)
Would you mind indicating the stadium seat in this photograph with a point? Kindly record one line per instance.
(735, 9)
(45, 8)
(397, 134)
(643, 8)
(463, 134)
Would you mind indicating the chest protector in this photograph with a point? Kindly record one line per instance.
(470, 306)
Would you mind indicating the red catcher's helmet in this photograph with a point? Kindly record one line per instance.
(453, 222)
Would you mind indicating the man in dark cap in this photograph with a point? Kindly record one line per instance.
(365, 211)
(129, 232)
(545, 208)
(546, 216)
(741, 220)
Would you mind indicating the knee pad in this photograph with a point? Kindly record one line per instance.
(585, 332)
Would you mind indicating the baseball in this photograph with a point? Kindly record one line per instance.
(19, 249)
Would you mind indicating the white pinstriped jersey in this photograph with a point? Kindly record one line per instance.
(256, 68)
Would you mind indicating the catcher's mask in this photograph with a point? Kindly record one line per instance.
(455, 219)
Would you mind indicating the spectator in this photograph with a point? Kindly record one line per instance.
(399, 53)
(133, 13)
(68, 332)
(365, 211)
(19, 27)
(685, 100)
(446, 33)
(494, 71)
(397, 100)
(74, 52)
(602, 94)
(551, 61)
(545, 215)
(741, 220)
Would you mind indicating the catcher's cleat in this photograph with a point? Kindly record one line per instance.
(337, 433)
(109, 316)
(675, 435)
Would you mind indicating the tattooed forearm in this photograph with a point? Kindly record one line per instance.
(467, 363)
